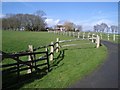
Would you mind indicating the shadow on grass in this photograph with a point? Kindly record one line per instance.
(12, 81)
(79, 48)
(59, 58)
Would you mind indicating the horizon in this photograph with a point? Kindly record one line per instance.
(86, 14)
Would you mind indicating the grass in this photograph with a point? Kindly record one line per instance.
(77, 61)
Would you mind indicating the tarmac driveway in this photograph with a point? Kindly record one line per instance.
(106, 76)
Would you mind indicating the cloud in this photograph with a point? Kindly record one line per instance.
(52, 22)
(1, 15)
(103, 21)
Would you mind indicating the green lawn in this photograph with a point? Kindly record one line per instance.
(77, 61)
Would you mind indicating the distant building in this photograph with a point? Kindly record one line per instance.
(60, 27)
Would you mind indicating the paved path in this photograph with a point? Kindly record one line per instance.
(107, 75)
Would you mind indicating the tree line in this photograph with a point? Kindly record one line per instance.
(103, 27)
(28, 22)
(36, 22)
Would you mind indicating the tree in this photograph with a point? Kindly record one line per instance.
(114, 28)
(40, 13)
(69, 26)
(97, 28)
(108, 29)
(79, 28)
(103, 27)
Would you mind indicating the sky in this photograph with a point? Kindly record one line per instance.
(86, 14)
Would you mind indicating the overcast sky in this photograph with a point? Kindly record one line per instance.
(83, 13)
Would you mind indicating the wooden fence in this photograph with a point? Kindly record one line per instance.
(37, 61)
(32, 64)
(95, 38)
(17, 67)
(84, 35)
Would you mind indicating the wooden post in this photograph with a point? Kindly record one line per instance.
(92, 37)
(113, 37)
(57, 45)
(48, 65)
(51, 51)
(78, 34)
(108, 36)
(30, 58)
(18, 70)
(98, 41)
(46, 49)
(83, 35)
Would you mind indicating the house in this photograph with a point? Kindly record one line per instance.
(60, 27)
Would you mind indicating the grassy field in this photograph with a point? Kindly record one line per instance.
(77, 61)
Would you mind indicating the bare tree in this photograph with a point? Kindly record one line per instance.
(103, 26)
(69, 26)
(114, 28)
(97, 28)
(79, 28)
